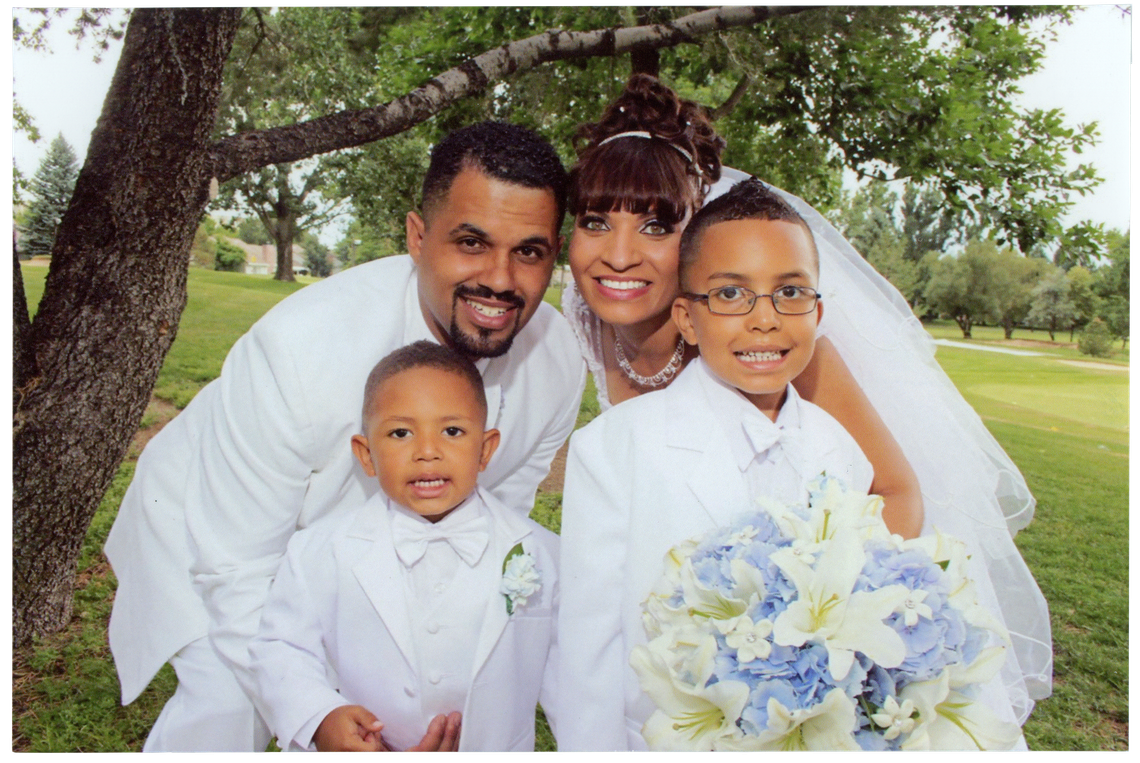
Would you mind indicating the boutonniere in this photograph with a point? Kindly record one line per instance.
(521, 578)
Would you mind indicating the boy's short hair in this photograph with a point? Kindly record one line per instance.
(747, 200)
(503, 151)
(421, 354)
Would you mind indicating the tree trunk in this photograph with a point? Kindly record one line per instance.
(1009, 327)
(964, 324)
(284, 232)
(113, 297)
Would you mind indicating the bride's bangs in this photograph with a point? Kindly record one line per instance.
(650, 180)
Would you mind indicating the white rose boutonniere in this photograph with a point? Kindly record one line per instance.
(521, 578)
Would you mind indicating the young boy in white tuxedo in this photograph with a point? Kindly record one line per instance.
(429, 606)
(673, 464)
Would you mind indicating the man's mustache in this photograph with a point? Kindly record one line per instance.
(485, 292)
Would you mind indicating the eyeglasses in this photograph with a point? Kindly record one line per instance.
(736, 300)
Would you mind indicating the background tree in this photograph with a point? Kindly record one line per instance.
(964, 287)
(1086, 304)
(1051, 306)
(1111, 283)
(51, 188)
(251, 231)
(1096, 340)
(229, 257)
(318, 257)
(802, 93)
(1012, 279)
(288, 198)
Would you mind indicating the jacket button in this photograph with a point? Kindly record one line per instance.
(433, 628)
(409, 691)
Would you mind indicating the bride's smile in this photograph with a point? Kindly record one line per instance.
(626, 264)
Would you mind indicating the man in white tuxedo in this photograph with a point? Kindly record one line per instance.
(259, 453)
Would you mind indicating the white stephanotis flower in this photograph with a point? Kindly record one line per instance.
(828, 725)
(829, 612)
(749, 639)
(742, 537)
(912, 608)
(521, 579)
(895, 718)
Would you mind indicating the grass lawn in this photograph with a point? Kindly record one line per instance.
(1065, 426)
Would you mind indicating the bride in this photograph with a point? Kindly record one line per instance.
(642, 170)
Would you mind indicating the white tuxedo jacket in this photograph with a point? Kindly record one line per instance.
(642, 477)
(264, 450)
(336, 631)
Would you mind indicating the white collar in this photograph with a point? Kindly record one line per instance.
(729, 405)
(470, 508)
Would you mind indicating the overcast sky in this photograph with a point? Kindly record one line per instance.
(1086, 74)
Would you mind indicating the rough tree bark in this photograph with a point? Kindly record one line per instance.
(86, 365)
(113, 296)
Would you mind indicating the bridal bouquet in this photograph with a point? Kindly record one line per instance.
(814, 628)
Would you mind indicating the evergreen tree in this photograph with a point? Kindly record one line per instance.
(51, 189)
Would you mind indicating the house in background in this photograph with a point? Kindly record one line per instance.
(261, 259)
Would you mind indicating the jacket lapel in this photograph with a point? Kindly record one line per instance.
(508, 531)
(712, 475)
(379, 575)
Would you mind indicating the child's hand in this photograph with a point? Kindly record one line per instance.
(442, 735)
(350, 728)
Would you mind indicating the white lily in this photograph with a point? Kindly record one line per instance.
(748, 581)
(828, 611)
(949, 720)
(833, 507)
(827, 725)
(707, 602)
(687, 719)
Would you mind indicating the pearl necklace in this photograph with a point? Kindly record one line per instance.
(659, 379)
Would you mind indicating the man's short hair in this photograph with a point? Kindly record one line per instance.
(421, 354)
(503, 151)
(747, 200)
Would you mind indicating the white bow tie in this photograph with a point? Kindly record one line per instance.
(410, 538)
(763, 437)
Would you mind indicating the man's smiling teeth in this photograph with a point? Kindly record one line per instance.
(759, 357)
(487, 310)
(623, 285)
(430, 483)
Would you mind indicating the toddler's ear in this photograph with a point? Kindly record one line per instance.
(818, 311)
(683, 318)
(490, 445)
(363, 453)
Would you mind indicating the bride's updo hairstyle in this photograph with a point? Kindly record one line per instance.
(667, 174)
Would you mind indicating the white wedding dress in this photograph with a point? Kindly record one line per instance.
(971, 489)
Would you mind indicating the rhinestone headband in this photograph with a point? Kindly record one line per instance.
(643, 134)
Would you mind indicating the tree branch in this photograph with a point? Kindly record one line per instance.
(241, 153)
(738, 92)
